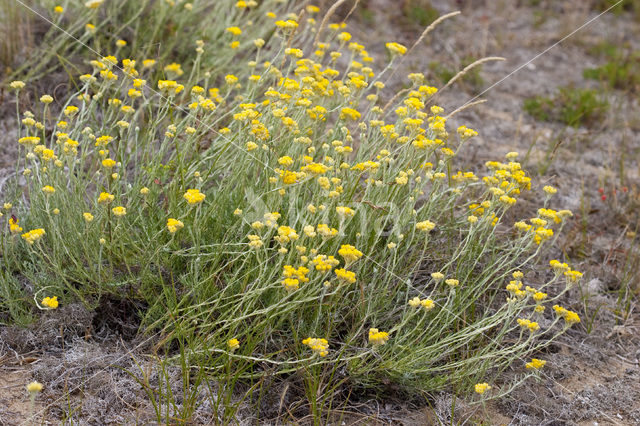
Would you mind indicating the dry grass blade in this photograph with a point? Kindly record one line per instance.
(469, 68)
(426, 31)
(328, 15)
(462, 108)
(431, 27)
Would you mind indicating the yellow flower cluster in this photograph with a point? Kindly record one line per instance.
(531, 325)
(233, 344)
(324, 263)
(570, 317)
(481, 388)
(255, 242)
(174, 225)
(33, 235)
(560, 268)
(535, 364)
(303, 118)
(378, 338)
(396, 48)
(425, 226)
(50, 302)
(286, 234)
(345, 212)
(349, 253)
(119, 211)
(194, 196)
(319, 347)
(345, 276)
(34, 388)
(466, 133)
(293, 277)
(14, 227)
(105, 198)
(325, 231)
(573, 276)
(427, 304)
(452, 282)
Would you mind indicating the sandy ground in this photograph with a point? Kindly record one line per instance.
(592, 376)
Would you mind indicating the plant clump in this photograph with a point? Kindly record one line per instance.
(282, 218)
(571, 106)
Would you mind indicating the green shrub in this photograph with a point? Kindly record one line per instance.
(571, 106)
(622, 71)
(278, 221)
(419, 12)
(619, 7)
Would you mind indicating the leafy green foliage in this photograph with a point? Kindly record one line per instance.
(419, 12)
(622, 71)
(572, 106)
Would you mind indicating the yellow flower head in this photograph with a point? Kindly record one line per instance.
(70, 111)
(350, 113)
(233, 344)
(50, 302)
(425, 226)
(34, 387)
(288, 177)
(291, 284)
(119, 211)
(108, 163)
(105, 198)
(427, 304)
(558, 267)
(319, 346)
(48, 189)
(13, 226)
(481, 388)
(531, 325)
(194, 196)
(535, 364)
(345, 276)
(349, 253)
(452, 282)
(570, 317)
(437, 276)
(174, 225)
(33, 235)
(396, 49)
(572, 276)
(17, 85)
(287, 25)
(324, 263)
(378, 338)
(345, 212)
(29, 140)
